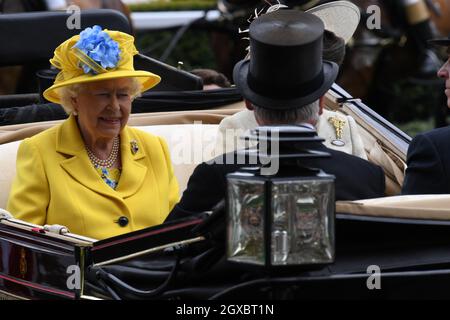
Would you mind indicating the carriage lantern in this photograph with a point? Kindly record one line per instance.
(283, 217)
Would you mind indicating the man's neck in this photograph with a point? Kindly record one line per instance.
(306, 124)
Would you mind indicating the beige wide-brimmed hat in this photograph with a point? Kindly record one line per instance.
(340, 17)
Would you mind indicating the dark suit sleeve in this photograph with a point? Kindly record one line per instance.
(206, 187)
(425, 173)
(380, 190)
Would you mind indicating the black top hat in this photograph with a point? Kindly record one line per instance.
(285, 69)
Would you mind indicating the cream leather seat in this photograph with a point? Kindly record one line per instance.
(189, 145)
(8, 152)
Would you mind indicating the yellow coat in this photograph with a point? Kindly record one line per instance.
(57, 184)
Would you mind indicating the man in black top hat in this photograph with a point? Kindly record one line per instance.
(284, 81)
(428, 156)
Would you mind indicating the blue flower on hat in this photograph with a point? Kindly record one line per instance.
(98, 46)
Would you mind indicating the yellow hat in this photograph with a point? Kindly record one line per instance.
(96, 55)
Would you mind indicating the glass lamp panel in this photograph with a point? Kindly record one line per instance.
(303, 221)
(246, 221)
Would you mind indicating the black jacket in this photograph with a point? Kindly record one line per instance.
(428, 163)
(355, 179)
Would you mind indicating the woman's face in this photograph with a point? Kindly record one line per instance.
(103, 107)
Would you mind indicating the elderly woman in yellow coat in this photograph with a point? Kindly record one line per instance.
(93, 173)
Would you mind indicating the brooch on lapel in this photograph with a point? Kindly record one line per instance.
(338, 125)
(134, 146)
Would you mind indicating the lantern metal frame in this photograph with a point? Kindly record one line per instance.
(296, 143)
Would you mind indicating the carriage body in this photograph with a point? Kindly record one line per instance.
(406, 240)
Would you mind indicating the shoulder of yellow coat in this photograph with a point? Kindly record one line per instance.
(46, 134)
(45, 139)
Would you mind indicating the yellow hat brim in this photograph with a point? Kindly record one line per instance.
(147, 79)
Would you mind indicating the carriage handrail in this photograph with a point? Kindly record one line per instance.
(6, 218)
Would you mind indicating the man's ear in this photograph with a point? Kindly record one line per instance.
(248, 105)
(321, 104)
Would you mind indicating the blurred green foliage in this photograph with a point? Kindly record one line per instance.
(411, 106)
(413, 101)
(193, 49)
(174, 5)
(412, 128)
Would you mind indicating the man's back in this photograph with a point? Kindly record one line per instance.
(355, 179)
(284, 82)
(428, 163)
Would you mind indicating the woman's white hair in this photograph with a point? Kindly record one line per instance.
(66, 93)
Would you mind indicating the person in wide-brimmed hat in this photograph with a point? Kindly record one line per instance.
(428, 157)
(340, 19)
(284, 81)
(93, 173)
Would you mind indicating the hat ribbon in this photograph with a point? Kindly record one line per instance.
(285, 90)
(89, 61)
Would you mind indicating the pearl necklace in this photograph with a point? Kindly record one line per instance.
(109, 162)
